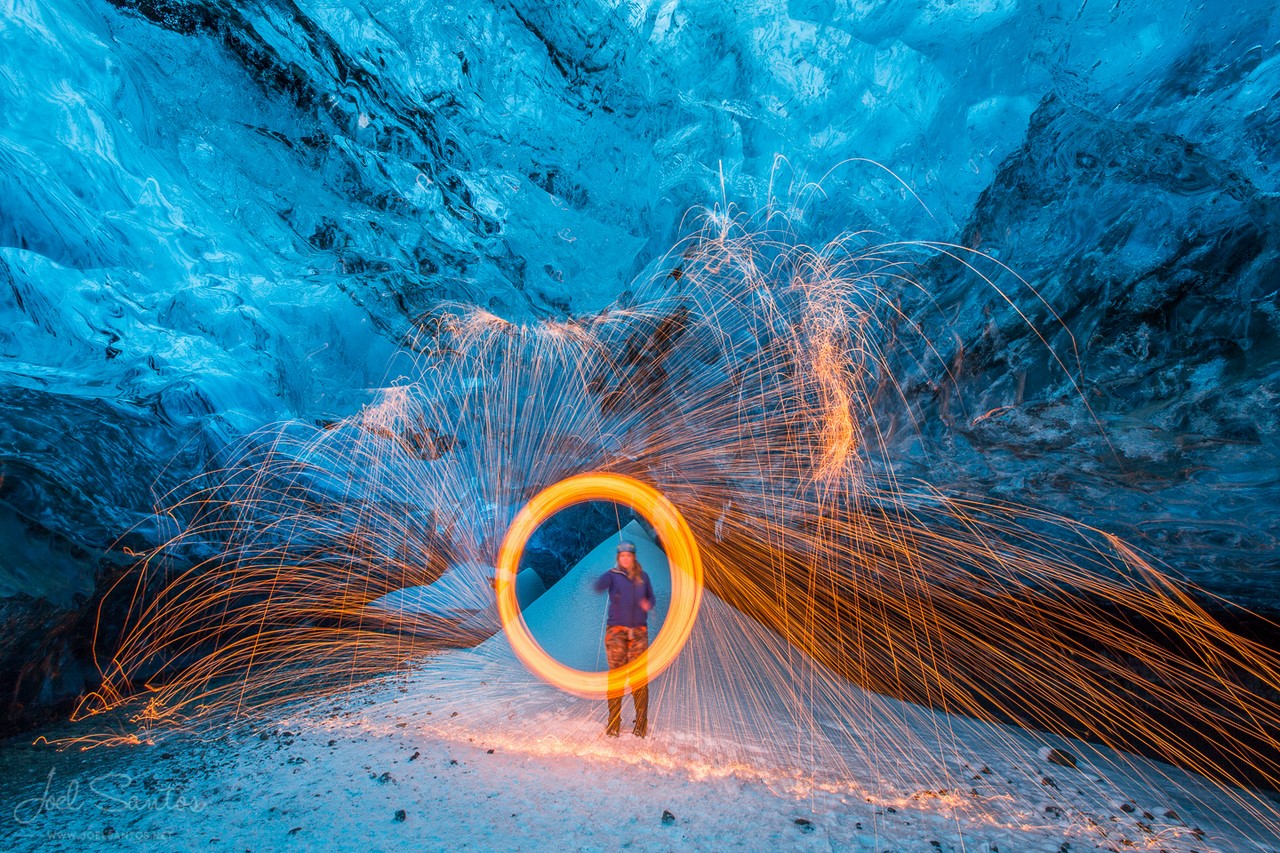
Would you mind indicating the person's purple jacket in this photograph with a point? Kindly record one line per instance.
(625, 596)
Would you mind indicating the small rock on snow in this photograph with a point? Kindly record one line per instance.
(1057, 756)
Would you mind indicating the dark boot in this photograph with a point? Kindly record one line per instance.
(640, 695)
(615, 716)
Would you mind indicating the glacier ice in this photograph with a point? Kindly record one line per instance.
(216, 214)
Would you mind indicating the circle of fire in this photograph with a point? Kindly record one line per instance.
(682, 555)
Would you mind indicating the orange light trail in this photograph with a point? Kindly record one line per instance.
(773, 392)
(686, 579)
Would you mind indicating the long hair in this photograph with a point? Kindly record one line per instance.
(633, 573)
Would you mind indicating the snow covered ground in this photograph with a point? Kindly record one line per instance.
(468, 750)
(391, 767)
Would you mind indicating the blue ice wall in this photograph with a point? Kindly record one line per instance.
(222, 213)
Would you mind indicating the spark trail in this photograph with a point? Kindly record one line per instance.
(757, 384)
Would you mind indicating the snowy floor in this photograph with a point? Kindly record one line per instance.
(469, 752)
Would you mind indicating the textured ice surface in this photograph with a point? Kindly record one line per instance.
(222, 213)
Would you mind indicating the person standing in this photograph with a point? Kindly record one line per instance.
(626, 635)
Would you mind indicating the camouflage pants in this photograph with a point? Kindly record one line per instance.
(622, 645)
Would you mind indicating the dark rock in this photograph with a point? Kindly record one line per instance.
(400, 816)
(1053, 755)
(668, 818)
